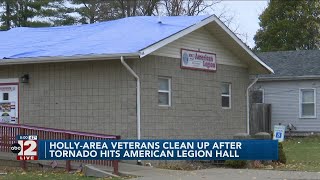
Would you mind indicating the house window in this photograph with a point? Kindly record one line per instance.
(307, 103)
(164, 91)
(226, 95)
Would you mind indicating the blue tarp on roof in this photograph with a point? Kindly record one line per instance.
(127, 35)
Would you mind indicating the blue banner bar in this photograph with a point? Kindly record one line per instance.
(157, 149)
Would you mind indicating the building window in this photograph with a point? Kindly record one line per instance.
(226, 95)
(164, 91)
(307, 103)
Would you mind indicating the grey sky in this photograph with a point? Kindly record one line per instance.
(246, 14)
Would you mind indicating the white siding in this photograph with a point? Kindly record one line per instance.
(284, 99)
(201, 40)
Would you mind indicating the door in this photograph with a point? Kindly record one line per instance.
(9, 103)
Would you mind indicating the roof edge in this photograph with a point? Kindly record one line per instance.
(147, 50)
(196, 26)
(243, 46)
(14, 61)
(289, 78)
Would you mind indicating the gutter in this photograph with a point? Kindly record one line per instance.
(289, 78)
(248, 105)
(138, 95)
(138, 100)
(13, 61)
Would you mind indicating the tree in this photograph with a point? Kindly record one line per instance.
(6, 17)
(24, 13)
(289, 25)
(186, 7)
(57, 13)
(91, 11)
(37, 13)
(88, 10)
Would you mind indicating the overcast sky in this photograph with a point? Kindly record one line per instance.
(246, 14)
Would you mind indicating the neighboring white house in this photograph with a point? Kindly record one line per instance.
(293, 91)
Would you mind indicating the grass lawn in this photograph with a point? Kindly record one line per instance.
(34, 175)
(302, 154)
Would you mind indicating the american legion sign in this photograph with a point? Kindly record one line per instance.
(198, 60)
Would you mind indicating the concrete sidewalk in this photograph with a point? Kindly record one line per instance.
(150, 173)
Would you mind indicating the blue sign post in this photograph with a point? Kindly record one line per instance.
(278, 132)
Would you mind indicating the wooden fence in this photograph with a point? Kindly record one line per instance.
(260, 118)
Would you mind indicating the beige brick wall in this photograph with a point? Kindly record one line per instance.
(85, 96)
(196, 101)
(100, 96)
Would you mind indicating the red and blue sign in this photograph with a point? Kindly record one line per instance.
(157, 150)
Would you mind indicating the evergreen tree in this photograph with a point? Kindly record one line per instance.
(24, 13)
(6, 16)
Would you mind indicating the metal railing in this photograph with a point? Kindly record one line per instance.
(8, 134)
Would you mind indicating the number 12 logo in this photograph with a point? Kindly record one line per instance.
(29, 150)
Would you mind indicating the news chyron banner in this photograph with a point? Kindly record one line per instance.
(29, 147)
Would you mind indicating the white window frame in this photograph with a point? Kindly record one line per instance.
(229, 95)
(314, 101)
(165, 91)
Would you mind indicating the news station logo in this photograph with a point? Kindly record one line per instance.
(26, 148)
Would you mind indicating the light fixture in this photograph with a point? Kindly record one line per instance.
(25, 78)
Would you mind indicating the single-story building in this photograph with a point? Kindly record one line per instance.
(146, 77)
(293, 90)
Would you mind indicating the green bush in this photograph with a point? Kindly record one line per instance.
(281, 155)
(235, 163)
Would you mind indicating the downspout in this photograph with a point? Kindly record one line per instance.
(248, 105)
(138, 94)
